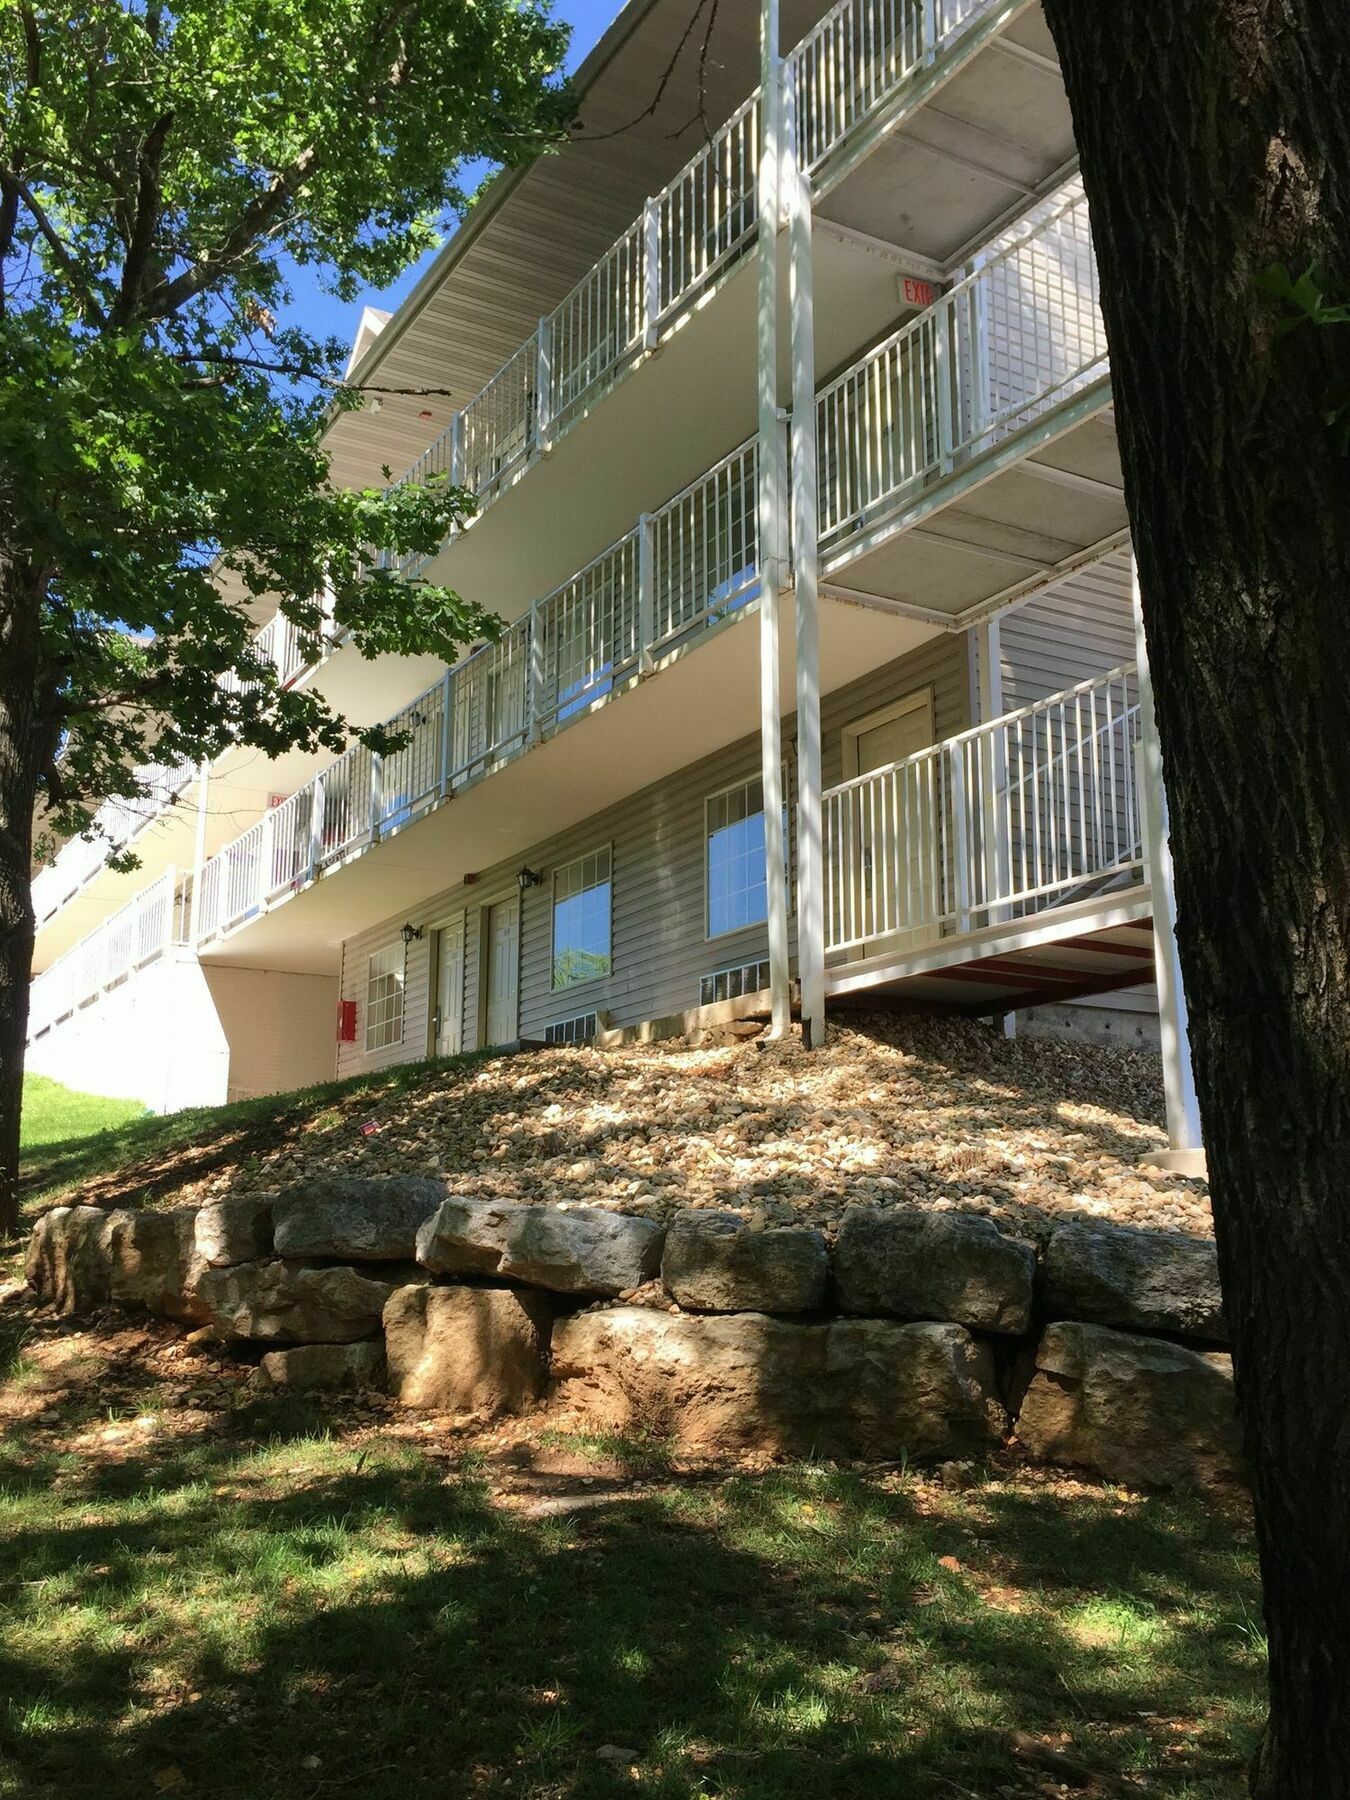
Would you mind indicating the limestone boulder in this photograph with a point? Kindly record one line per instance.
(466, 1237)
(714, 1262)
(1148, 1280)
(67, 1262)
(358, 1218)
(328, 1367)
(905, 1263)
(744, 1381)
(581, 1250)
(155, 1263)
(286, 1302)
(234, 1230)
(1134, 1409)
(467, 1349)
(568, 1250)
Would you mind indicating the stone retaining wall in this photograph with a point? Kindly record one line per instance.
(916, 1333)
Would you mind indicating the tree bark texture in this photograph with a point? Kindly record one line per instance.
(22, 756)
(1215, 141)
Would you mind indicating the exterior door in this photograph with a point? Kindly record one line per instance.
(503, 972)
(898, 834)
(449, 1029)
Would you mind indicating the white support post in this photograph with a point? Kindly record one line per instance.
(956, 785)
(315, 827)
(543, 398)
(651, 272)
(376, 796)
(1185, 1153)
(646, 605)
(945, 356)
(772, 514)
(199, 847)
(447, 728)
(806, 568)
(997, 833)
(534, 684)
(457, 450)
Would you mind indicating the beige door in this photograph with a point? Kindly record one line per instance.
(503, 972)
(896, 831)
(449, 1023)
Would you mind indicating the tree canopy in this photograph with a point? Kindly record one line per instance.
(162, 169)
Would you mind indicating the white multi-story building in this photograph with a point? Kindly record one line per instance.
(799, 493)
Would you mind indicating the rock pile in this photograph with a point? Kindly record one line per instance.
(916, 1335)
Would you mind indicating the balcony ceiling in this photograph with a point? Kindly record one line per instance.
(988, 139)
(537, 231)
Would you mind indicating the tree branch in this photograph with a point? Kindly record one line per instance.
(134, 268)
(66, 262)
(303, 372)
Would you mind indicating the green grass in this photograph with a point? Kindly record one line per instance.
(253, 1610)
(71, 1141)
(53, 1114)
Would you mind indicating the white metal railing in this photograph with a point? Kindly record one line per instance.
(854, 63)
(138, 933)
(1006, 819)
(290, 650)
(857, 59)
(682, 570)
(1017, 337)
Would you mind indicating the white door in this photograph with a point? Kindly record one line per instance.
(449, 1040)
(898, 836)
(503, 972)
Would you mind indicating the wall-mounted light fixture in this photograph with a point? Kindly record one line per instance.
(411, 933)
(528, 878)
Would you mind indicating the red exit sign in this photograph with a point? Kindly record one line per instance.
(915, 292)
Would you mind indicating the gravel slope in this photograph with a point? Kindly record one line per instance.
(893, 1110)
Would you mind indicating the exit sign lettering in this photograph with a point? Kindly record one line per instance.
(916, 292)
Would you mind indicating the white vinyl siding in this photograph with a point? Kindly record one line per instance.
(582, 899)
(1083, 628)
(659, 950)
(385, 974)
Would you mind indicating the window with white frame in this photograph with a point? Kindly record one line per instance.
(733, 832)
(582, 892)
(384, 996)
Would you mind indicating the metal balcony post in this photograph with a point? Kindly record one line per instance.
(316, 808)
(960, 811)
(806, 561)
(944, 356)
(646, 597)
(772, 513)
(651, 272)
(932, 28)
(543, 399)
(376, 796)
(457, 450)
(1186, 1145)
(447, 727)
(535, 696)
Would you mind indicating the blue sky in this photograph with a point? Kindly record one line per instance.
(326, 317)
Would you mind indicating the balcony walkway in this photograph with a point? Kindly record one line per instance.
(1001, 868)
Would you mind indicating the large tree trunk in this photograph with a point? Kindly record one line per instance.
(1215, 141)
(22, 754)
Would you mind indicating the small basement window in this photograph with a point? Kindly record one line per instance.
(384, 996)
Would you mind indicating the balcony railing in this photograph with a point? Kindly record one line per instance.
(1008, 819)
(138, 933)
(118, 822)
(1004, 347)
(853, 65)
(678, 573)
